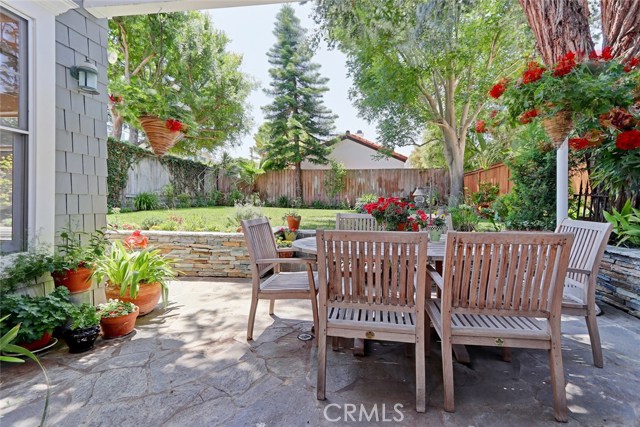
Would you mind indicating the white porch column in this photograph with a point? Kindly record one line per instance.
(562, 182)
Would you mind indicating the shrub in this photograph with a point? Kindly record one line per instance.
(184, 200)
(626, 225)
(242, 212)
(216, 198)
(283, 202)
(146, 202)
(234, 197)
(464, 218)
(169, 193)
(487, 194)
(194, 224)
(363, 200)
(318, 204)
(151, 221)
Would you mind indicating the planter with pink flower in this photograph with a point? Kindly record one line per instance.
(392, 212)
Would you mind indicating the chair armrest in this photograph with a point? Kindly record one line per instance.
(286, 261)
(579, 271)
(436, 277)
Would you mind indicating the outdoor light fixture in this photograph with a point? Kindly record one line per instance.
(418, 196)
(87, 75)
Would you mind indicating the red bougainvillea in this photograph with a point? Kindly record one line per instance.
(481, 126)
(633, 63)
(533, 73)
(527, 116)
(628, 140)
(498, 89)
(578, 143)
(173, 125)
(565, 65)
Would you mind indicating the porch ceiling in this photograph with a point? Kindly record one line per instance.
(111, 8)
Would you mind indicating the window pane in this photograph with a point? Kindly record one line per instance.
(12, 70)
(6, 186)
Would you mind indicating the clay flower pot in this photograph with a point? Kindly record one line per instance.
(293, 222)
(147, 299)
(37, 344)
(78, 280)
(114, 327)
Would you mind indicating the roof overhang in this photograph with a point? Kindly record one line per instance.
(111, 8)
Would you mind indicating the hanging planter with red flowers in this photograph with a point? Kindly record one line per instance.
(162, 134)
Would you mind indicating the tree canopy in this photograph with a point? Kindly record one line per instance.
(175, 65)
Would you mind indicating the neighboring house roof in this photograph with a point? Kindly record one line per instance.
(369, 144)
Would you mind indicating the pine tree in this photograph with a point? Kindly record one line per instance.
(299, 124)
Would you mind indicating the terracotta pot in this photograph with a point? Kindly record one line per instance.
(78, 280)
(147, 299)
(402, 226)
(293, 222)
(37, 344)
(285, 254)
(114, 327)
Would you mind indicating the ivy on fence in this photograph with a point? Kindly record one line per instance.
(187, 176)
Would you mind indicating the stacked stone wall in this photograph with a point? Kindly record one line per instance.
(619, 279)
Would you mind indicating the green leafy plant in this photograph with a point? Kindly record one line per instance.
(36, 315)
(146, 202)
(626, 224)
(283, 202)
(130, 269)
(234, 197)
(184, 200)
(244, 211)
(487, 193)
(286, 234)
(83, 316)
(149, 222)
(23, 269)
(71, 253)
(7, 346)
(335, 180)
(464, 217)
(284, 243)
(290, 212)
(115, 308)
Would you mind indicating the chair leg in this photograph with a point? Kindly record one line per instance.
(314, 312)
(558, 384)
(322, 363)
(252, 318)
(594, 337)
(427, 336)
(335, 343)
(421, 380)
(272, 305)
(447, 375)
(506, 354)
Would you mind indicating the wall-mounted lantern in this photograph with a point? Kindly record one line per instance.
(87, 75)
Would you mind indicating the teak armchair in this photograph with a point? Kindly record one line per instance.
(268, 282)
(502, 289)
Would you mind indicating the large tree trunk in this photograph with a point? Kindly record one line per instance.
(454, 155)
(560, 26)
(621, 27)
(299, 182)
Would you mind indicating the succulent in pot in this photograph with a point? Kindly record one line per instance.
(117, 318)
(139, 276)
(84, 329)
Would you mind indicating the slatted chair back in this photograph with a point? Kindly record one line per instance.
(382, 269)
(506, 274)
(260, 242)
(586, 254)
(359, 222)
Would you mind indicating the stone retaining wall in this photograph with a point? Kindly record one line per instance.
(200, 254)
(619, 279)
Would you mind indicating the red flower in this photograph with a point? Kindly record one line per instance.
(633, 63)
(534, 72)
(493, 114)
(527, 116)
(136, 240)
(606, 54)
(481, 126)
(173, 125)
(115, 98)
(578, 143)
(565, 65)
(498, 89)
(628, 140)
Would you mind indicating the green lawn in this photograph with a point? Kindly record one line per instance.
(216, 218)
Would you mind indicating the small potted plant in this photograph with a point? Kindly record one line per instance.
(117, 318)
(293, 219)
(435, 227)
(72, 265)
(392, 212)
(136, 273)
(26, 269)
(38, 316)
(284, 248)
(84, 329)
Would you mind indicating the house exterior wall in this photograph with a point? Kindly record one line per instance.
(81, 124)
(357, 156)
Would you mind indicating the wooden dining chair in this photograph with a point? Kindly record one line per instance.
(359, 222)
(381, 296)
(579, 298)
(267, 281)
(502, 289)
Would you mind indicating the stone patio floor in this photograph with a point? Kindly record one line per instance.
(190, 365)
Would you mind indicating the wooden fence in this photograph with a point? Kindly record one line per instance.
(382, 182)
(496, 174)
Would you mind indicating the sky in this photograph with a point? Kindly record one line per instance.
(250, 31)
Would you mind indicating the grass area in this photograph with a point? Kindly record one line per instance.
(216, 218)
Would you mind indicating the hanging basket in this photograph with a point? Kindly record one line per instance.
(558, 127)
(160, 138)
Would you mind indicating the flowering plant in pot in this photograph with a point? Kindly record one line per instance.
(117, 318)
(392, 211)
(84, 329)
(136, 273)
(72, 264)
(293, 219)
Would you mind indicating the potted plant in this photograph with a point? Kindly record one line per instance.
(84, 329)
(117, 318)
(284, 248)
(72, 265)
(38, 316)
(136, 275)
(293, 219)
(392, 212)
(24, 269)
(436, 222)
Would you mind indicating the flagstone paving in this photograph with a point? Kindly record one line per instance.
(190, 365)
